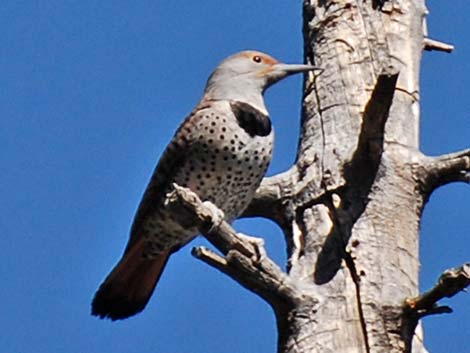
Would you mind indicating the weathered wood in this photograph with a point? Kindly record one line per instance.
(451, 282)
(364, 250)
(351, 205)
(431, 44)
(244, 259)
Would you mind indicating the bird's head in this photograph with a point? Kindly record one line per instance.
(246, 75)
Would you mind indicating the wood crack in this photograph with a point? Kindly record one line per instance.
(356, 280)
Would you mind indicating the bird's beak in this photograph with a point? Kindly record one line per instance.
(290, 69)
(279, 71)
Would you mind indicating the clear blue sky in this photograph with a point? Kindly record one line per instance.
(90, 94)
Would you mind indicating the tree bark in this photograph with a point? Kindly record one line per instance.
(350, 207)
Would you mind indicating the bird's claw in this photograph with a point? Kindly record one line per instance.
(258, 246)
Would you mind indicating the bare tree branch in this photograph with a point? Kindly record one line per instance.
(211, 258)
(245, 258)
(451, 282)
(431, 44)
(188, 209)
(434, 172)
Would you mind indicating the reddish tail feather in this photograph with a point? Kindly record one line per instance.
(129, 286)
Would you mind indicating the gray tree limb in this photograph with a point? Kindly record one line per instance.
(431, 44)
(245, 259)
(434, 172)
(450, 283)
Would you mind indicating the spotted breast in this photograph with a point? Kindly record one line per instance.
(221, 152)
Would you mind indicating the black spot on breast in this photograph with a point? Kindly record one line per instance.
(250, 119)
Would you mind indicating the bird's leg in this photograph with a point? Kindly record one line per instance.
(217, 215)
(258, 245)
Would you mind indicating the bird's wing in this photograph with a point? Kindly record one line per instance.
(173, 157)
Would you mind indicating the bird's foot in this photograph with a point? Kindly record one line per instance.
(258, 245)
(217, 215)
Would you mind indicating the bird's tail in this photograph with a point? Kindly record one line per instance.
(129, 286)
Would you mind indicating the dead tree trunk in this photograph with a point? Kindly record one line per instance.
(351, 205)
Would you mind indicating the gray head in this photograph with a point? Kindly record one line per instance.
(246, 75)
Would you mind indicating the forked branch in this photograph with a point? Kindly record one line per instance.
(451, 282)
(244, 259)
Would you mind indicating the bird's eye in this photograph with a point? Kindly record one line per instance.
(257, 59)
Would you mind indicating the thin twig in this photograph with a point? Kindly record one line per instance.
(210, 257)
(431, 44)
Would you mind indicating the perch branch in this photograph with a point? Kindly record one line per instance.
(245, 259)
(188, 209)
(431, 44)
(451, 282)
(437, 171)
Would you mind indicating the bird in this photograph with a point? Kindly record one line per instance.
(221, 152)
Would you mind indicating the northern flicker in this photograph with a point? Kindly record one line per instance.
(221, 152)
